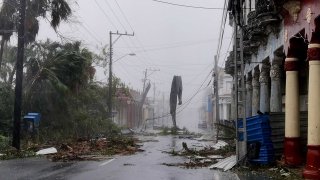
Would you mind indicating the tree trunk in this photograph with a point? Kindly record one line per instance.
(1, 51)
(10, 80)
(19, 77)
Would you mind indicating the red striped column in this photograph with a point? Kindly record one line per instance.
(312, 168)
(292, 153)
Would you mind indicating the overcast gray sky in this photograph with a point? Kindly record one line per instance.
(176, 40)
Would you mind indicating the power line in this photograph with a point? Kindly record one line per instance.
(222, 28)
(105, 14)
(115, 15)
(125, 17)
(193, 79)
(173, 46)
(181, 43)
(188, 6)
(225, 57)
(186, 103)
(131, 41)
(199, 89)
(90, 33)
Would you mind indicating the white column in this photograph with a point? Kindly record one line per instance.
(292, 123)
(292, 149)
(312, 169)
(314, 103)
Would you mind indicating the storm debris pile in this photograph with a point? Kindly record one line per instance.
(224, 150)
(95, 149)
(190, 164)
(203, 157)
(275, 171)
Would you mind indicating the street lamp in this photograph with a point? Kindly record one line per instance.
(110, 80)
(130, 54)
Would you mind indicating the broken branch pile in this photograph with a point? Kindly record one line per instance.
(95, 148)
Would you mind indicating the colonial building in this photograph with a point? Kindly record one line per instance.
(225, 86)
(281, 41)
(128, 109)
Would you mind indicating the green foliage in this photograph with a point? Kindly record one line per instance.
(4, 142)
(6, 108)
(53, 10)
(8, 66)
(59, 86)
(13, 154)
(165, 131)
(60, 10)
(58, 83)
(168, 131)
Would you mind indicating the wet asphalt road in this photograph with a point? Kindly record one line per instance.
(145, 165)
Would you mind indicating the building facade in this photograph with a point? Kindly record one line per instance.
(129, 113)
(225, 97)
(281, 42)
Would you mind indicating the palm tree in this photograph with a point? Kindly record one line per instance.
(65, 68)
(57, 10)
(29, 11)
(7, 19)
(53, 77)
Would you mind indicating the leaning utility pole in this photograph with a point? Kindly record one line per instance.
(145, 90)
(146, 76)
(19, 77)
(110, 69)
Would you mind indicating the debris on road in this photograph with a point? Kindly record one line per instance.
(95, 149)
(225, 164)
(128, 164)
(127, 131)
(215, 157)
(190, 164)
(206, 137)
(185, 147)
(219, 145)
(274, 171)
(51, 150)
(201, 154)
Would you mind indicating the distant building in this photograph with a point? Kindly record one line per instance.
(128, 111)
(225, 97)
(205, 111)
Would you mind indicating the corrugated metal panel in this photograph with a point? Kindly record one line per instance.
(277, 134)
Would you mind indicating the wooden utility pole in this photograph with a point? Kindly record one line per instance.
(154, 103)
(239, 88)
(110, 77)
(19, 77)
(110, 69)
(216, 88)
